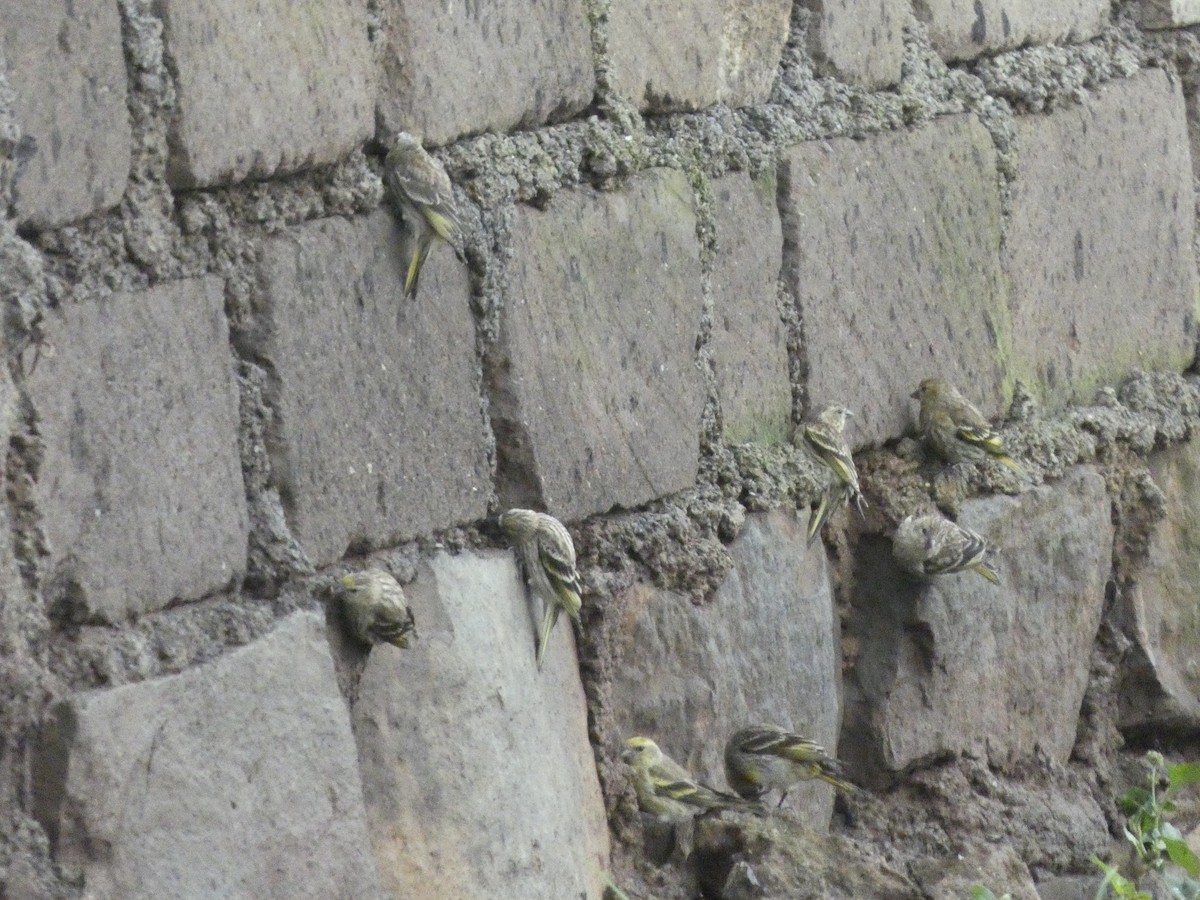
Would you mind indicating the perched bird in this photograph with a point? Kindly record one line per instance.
(762, 758)
(664, 788)
(421, 188)
(548, 558)
(933, 545)
(956, 430)
(375, 608)
(822, 439)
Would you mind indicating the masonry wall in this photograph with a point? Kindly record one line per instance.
(688, 224)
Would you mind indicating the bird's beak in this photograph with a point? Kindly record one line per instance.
(916, 395)
(627, 756)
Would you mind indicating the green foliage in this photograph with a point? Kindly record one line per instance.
(1119, 885)
(979, 892)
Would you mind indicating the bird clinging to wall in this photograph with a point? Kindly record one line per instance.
(375, 608)
(956, 430)
(824, 442)
(933, 545)
(763, 758)
(666, 790)
(548, 557)
(419, 185)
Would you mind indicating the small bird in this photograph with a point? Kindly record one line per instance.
(375, 608)
(822, 439)
(762, 758)
(955, 429)
(933, 545)
(548, 557)
(664, 788)
(421, 188)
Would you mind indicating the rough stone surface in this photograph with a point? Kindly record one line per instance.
(891, 249)
(234, 779)
(957, 664)
(1162, 684)
(67, 70)
(476, 767)
(720, 52)
(597, 396)
(998, 867)
(1100, 240)
(380, 430)
(764, 650)
(749, 341)
(465, 68)
(1067, 887)
(963, 29)
(860, 41)
(307, 72)
(141, 488)
(1167, 13)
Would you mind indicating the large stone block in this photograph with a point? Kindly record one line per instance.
(476, 767)
(963, 29)
(957, 664)
(892, 251)
(719, 52)
(67, 69)
(764, 650)
(749, 341)
(1099, 245)
(380, 431)
(860, 41)
(1161, 683)
(466, 68)
(266, 87)
(234, 779)
(597, 397)
(1167, 13)
(141, 488)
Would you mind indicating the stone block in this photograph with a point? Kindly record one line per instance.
(476, 767)
(859, 41)
(1166, 13)
(66, 68)
(958, 665)
(466, 68)
(380, 434)
(234, 779)
(141, 489)
(596, 395)
(764, 650)
(1099, 245)
(749, 340)
(891, 247)
(963, 29)
(266, 87)
(1160, 687)
(720, 52)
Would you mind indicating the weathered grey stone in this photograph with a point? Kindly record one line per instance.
(266, 87)
(1167, 13)
(764, 650)
(891, 249)
(860, 41)
(596, 398)
(719, 52)
(234, 779)
(957, 664)
(476, 767)
(465, 68)
(380, 429)
(1161, 683)
(141, 487)
(997, 866)
(1099, 242)
(1067, 887)
(963, 29)
(66, 67)
(749, 341)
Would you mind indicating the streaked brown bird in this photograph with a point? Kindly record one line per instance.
(957, 431)
(823, 439)
(666, 790)
(933, 545)
(376, 609)
(762, 758)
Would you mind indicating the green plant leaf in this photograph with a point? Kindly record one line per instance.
(1182, 774)
(1181, 854)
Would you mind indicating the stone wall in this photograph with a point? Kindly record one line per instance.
(687, 224)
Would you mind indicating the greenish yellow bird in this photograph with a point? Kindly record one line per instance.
(376, 609)
(933, 545)
(956, 430)
(824, 442)
(666, 790)
(421, 188)
(547, 556)
(762, 758)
